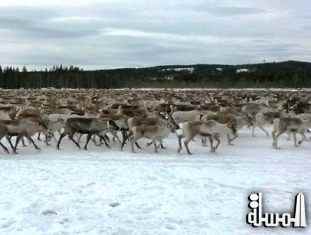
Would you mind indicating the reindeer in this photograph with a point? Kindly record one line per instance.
(306, 118)
(251, 109)
(89, 126)
(283, 125)
(138, 121)
(186, 116)
(210, 129)
(120, 120)
(55, 124)
(4, 133)
(7, 112)
(155, 131)
(224, 117)
(25, 127)
(265, 118)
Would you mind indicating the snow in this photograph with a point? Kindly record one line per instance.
(242, 70)
(107, 191)
(189, 69)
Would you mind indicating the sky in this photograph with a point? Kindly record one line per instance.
(105, 34)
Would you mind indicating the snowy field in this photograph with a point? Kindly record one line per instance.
(103, 191)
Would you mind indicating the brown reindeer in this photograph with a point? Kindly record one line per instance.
(25, 127)
(89, 126)
(5, 133)
(210, 129)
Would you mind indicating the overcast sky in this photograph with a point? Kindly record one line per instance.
(135, 33)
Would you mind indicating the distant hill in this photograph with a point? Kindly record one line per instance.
(278, 74)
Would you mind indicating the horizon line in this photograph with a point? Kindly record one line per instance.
(41, 68)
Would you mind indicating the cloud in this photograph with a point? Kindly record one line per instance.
(230, 11)
(141, 33)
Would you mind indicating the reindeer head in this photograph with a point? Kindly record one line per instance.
(171, 123)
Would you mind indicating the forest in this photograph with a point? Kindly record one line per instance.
(288, 74)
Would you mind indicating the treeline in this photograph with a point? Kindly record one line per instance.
(284, 74)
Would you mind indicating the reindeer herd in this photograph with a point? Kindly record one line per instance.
(126, 116)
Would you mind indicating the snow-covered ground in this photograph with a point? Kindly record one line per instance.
(103, 191)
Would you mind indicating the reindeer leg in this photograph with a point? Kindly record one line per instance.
(9, 137)
(186, 142)
(10, 142)
(95, 142)
(161, 144)
(115, 136)
(204, 141)
(155, 146)
(106, 138)
(274, 145)
(47, 141)
(103, 138)
(79, 138)
(4, 147)
(133, 140)
(138, 146)
(18, 138)
(275, 139)
(23, 142)
(230, 140)
(125, 138)
(54, 137)
(124, 135)
(295, 139)
(179, 143)
(33, 142)
(74, 141)
(89, 135)
(60, 139)
(253, 131)
(304, 137)
(211, 142)
(218, 143)
(264, 130)
(39, 136)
